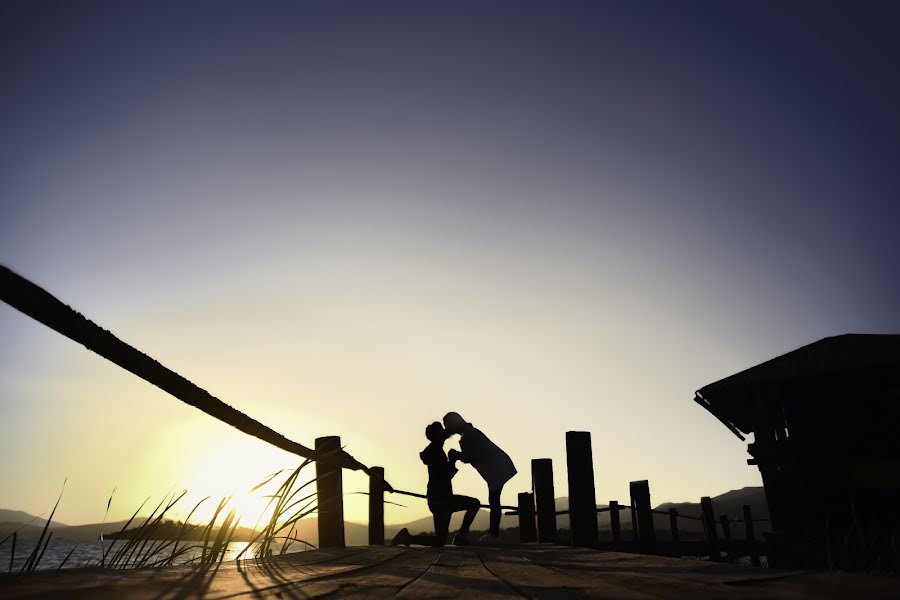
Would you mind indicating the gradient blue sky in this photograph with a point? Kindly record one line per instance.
(352, 217)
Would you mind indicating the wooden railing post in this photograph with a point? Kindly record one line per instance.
(614, 526)
(544, 497)
(582, 500)
(376, 507)
(726, 536)
(634, 524)
(330, 495)
(527, 529)
(709, 526)
(752, 548)
(673, 523)
(640, 500)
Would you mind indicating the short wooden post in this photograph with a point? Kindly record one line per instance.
(673, 523)
(634, 524)
(376, 507)
(752, 548)
(527, 529)
(330, 494)
(544, 497)
(582, 500)
(640, 500)
(709, 526)
(614, 526)
(726, 535)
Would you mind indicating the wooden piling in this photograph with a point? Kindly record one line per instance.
(640, 500)
(376, 506)
(726, 536)
(544, 497)
(527, 529)
(614, 526)
(709, 526)
(752, 548)
(582, 499)
(330, 495)
(634, 524)
(673, 523)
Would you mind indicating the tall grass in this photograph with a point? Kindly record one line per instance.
(141, 542)
(288, 506)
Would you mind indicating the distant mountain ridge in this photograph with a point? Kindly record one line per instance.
(356, 534)
(730, 504)
(29, 526)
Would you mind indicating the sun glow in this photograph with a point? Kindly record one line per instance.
(233, 471)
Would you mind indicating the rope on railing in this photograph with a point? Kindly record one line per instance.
(45, 308)
(677, 514)
(424, 497)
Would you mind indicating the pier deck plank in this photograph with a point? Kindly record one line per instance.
(525, 571)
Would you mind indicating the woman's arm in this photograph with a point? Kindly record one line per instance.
(470, 446)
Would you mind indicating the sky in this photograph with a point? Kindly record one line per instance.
(348, 218)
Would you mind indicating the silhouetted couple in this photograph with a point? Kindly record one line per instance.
(492, 463)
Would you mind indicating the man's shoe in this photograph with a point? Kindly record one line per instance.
(402, 538)
(461, 539)
(489, 540)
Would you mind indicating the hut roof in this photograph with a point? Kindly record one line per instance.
(846, 358)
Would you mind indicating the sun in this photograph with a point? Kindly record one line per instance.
(232, 470)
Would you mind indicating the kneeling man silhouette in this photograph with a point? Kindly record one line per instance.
(442, 502)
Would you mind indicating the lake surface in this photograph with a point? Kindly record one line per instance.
(88, 553)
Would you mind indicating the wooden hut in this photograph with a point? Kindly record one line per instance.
(824, 420)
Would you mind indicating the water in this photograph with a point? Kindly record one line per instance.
(741, 561)
(88, 553)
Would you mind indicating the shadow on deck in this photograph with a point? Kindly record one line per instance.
(522, 571)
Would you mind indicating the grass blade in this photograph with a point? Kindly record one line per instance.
(13, 553)
(67, 557)
(47, 543)
(34, 555)
(103, 524)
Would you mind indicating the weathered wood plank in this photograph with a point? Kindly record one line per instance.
(384, 580)
(536, 581)
(533, 570)
(459, 572)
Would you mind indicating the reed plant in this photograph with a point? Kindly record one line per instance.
(288, 505)
(150, 543)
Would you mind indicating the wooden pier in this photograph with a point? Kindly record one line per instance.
(535, 568)
(519, 571)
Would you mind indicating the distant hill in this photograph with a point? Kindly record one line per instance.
(173, 530)
(21, 517)
(28, 526)
(730, 503)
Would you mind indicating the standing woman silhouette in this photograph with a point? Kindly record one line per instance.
(493, 464)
